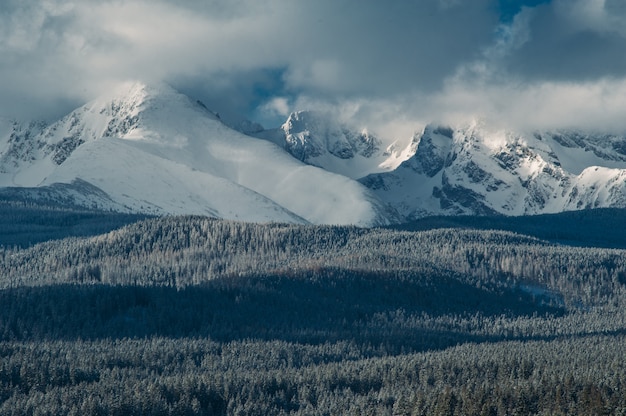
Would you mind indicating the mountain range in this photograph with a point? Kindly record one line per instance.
(150, 149)
(473, 170)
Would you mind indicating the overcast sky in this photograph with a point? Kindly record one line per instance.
(388, 65)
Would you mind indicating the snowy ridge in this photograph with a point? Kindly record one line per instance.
(149, 149)
(473, 170)
(153, 150)
(318, 139)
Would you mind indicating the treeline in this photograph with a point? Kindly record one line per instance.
(165, 376)
(191, 315)
(602, 227)
(25, 223)
(396, 311)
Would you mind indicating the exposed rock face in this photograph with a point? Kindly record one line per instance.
(309, 135)
(474, 171)
(149, 149)
(319, 139)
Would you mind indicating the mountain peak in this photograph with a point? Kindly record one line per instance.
(431, 150)
(151, 149)
(140, 90)
(140, 95)
(318, 138)
(480, 169)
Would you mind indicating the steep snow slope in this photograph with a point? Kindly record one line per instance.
(150, 149)
(474, 170)
(19, 148)
(318, 139)
(576, 151)
(154, 150)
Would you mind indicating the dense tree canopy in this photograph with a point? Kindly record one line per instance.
(191, 315)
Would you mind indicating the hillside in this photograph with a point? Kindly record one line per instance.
(149, 149)
(602, 227)
(219, 317)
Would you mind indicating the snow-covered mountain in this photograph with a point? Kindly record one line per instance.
(318, 139)
(474, 170)
(148, 148)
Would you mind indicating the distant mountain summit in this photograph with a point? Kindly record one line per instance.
(318, 139)
(309, 135)
(475, 171)
(151, 149)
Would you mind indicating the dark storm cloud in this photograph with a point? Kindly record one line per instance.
(572, 41)
(366, 47)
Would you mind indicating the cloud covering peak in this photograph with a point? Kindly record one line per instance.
(526, 63)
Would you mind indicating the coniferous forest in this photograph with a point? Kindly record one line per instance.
(111, 314)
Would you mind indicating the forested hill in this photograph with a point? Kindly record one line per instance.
(25, 222)
(603, 227)
(192, 315)
(184, 251)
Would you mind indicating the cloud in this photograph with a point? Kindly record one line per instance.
(385, 65)
(54, 49)
(277, 106)
(600, 16)
(554, 65)
(496, 87)
(594, 105)
(573, 40)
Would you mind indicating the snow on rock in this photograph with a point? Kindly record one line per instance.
(152, 149)
(147, 148)
(318, 139)
(473, 170)
(19, 146)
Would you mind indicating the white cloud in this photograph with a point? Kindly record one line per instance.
(597, 105)
(602, 16)
(390, 66)
(325, 74)
(277, 106)
(55, 49)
